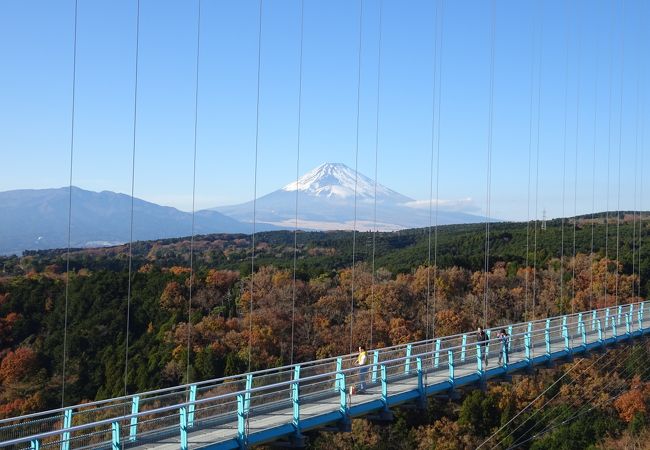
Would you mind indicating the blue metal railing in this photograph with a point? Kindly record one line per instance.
(232, 404)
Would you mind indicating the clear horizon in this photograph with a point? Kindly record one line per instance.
(606, 98)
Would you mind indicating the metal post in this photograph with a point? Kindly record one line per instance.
(628, 328)
(593, 320)
(339, 367)
(487, 347)
(241, 420)
(407, 361)
(639, 315)
(192, 407)
(620, 314)
(342, 393)
(436, 355)
(450, 361)
(527, 345)
(614, 332)
(35, 445)
(582, 329)
(183, 427)
(606, 319)
(510, 338)
(384, 386)
(565, 333)
(375, 367)
(67, 423)
(133, 429)
(479, 359)
(531, 344)
(600, 331)
(420, 378)
(547, 336)
(463, 348)
(295, 398)
(247, 394)
(115, 436)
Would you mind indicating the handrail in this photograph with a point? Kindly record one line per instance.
(291, 382)
(240, 377)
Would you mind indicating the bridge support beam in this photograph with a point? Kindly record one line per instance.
(191, 407)
(115, 436)
(375, 366)
(183, 427)
(67, 423)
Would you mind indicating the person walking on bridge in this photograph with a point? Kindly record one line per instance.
(362, 360)
(504, 339)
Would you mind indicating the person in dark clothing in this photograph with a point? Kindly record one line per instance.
(482, 340)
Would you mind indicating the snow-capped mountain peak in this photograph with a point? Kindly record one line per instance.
(336, 180)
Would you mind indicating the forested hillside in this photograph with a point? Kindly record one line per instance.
(395, 301)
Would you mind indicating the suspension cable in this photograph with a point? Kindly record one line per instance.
(431, 323)
(374, 234)
(196, 121)
(564, 145)
(489, 162)
(539, 108)
(575, 162)
(257, 140)
(593, 180)
(609, 145)
(133, 152)
(627, 371)
(295, 231)
(356, 174)
(435, 231)
(620, 145)
(530, 146)
(67, 264)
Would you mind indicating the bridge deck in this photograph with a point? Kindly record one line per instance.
(281, 403)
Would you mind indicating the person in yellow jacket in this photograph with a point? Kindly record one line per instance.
(362, 361)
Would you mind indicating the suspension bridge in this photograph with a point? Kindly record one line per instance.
(278, 405)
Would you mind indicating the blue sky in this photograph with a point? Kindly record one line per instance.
(35, 98)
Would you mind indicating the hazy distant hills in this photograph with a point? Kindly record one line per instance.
(326, 201)
(38, 219)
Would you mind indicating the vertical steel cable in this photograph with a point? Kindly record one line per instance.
(489, 161)
(620, 146)
(643, 105)
(575, 162)
(374, 234)
(196, 124)
(593, 180)
(530, 151)
(295, 231)
(539, 110)
(609, 143)
(564, 144)
(133, 150)
(67, 263)
(356, 174)
(435, 231)
(257, 139)
(429, 323)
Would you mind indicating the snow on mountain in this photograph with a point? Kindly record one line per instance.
(340, 181)
(326, 201)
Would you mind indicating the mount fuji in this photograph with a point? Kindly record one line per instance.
(326, 201)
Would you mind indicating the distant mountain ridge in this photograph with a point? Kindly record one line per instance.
(330, 197)
(37, 219)
(326, 201)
